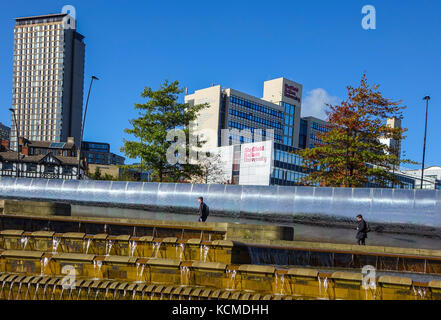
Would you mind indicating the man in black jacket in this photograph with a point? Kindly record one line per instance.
(362, 230)
(203, 210)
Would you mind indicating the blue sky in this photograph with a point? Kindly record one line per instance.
(240, 44)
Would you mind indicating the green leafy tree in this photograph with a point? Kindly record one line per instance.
(351, 153)
(161, 113)
(97, 174)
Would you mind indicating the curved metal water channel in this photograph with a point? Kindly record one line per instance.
(419, 207)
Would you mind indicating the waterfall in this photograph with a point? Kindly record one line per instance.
(36, 290)
(97, 269)
(109, 245)
(204, 253)
(24, 242)
(44, 263)
(55, 244)
(132, 248)
(139, 272)
(86, 245)
(185, 272)
(156, 246)
(18, 291)
(181, 248)
(231, 279)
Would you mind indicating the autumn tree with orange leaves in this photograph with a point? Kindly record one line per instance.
(351, 154)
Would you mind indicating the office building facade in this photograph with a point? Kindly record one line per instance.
(5, 132)
(275, 116)
(48, 76)
(99, 153)
(310, 128)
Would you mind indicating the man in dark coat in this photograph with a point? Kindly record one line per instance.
(362, 230)
(203, 210)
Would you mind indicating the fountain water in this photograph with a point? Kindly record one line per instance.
(325, 287)
(53, 292)
(44, 264)
(18, 291)
(79, 294)
(3, 285)
(109, 245)
(27, 291)
(156, 246)
(86, 245)
(181, 249)
(44, 291)
(280, 283)
(70, 292)
(36, 291)
(62, 291)
(10, 290)
(55, 244)
(231, 279)
(139, 272)
(419, 292)
(24, 242)
(204, 253)
(185, 273)
(97, 269)
(132, 248)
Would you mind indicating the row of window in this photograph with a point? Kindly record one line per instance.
(256, 119)
(256, 107)
(32, 167)
(288, 175)
(241, 126)
(288, 157)
(289, 108)
(320, 127)
(45, 27)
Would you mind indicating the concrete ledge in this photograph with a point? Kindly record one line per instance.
(347, 276)
(146, 239)
(122, 238)
(37, 208)
(436, 284)
(17, 233)
(303, 272)
(194, 241)
(43, 234)
(163, 262)
(395, 280)
(74, 257)
(101, 236)
(120, 259)
(222, 243)
(209, 265)
(256, 268)
(170, 240)
(74, 235)
(22, 254)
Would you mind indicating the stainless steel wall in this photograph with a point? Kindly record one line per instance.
(420, 207)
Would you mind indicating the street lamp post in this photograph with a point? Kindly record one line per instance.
(82, 128)
(427, 98)
(18, 141)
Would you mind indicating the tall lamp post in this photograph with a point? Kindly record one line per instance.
(18, 140)
(82, 128)
(427, 98)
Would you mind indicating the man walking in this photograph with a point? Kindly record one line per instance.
(362, 230)
(203, 210)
